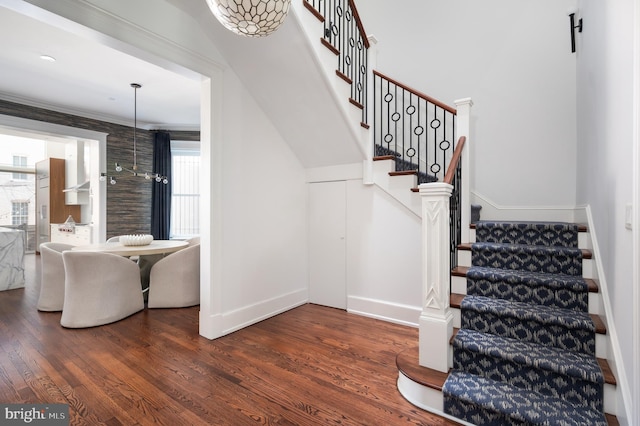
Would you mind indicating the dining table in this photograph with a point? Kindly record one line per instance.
(155, 247)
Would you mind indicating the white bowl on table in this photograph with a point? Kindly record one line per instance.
(136, 240)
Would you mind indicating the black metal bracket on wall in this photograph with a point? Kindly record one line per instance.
(572, 28)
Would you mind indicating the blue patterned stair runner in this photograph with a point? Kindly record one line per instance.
(555, 290)
(489, 402)
(561, 328)
(550, 371)
(530, 233)
(525, 354)
(543, 259)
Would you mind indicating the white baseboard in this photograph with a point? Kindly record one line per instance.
(385, 311)
(621, 406)
(215, 326)
(493, 211)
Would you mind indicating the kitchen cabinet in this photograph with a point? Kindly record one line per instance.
(79, 235)
(50, 200)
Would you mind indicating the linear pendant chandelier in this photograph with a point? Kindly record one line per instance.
(134, 168)
(250, 18)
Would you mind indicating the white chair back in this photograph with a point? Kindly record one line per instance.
(51, 295)
(100, 288)
(175, 280)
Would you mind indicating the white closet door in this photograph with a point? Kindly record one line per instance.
(327, 245)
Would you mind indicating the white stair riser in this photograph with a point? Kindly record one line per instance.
(459, 285)
(595, 304)
(610, 405)
(398, 187)
(402, 182)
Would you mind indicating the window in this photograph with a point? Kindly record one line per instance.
(19, 161)
(185, 181)
(19, 212)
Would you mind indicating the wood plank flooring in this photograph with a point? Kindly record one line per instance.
(310, 366)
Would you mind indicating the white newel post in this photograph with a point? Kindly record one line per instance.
(463, 128)
(436, 319)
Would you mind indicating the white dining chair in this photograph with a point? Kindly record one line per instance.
(174, 281)
(100, 288)
(51, 295)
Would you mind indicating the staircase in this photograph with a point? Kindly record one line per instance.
(525, 352)
(528, 346)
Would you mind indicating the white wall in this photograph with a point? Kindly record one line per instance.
(605, 167)
(384, 252)
(264, 213)
(513, 59)
(383, 249)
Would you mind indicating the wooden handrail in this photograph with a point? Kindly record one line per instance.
(356, 16)
(453, 165)
(419, 94)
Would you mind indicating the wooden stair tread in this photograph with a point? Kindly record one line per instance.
(356, 103)
(408, 363)
(609, 378)
(403, 173)
(344, 77)
(464, 246)
(329, 46)
(611, 420)
(460, 271)
(599, 323)
(455, 300)
(313, 11)
(384, 157)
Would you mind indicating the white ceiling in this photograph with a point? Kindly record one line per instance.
(90, 79)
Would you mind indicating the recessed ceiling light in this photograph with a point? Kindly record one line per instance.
(47, 58)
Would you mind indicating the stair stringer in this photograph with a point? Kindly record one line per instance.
(398, 187)
(312, 29)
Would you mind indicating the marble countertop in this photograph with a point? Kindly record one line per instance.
(11, 258)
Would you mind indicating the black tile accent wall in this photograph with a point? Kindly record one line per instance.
(129, 201)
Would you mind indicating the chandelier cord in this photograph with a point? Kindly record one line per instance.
(135, 124)
(149, 176)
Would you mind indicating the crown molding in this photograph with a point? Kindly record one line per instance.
(91, 21)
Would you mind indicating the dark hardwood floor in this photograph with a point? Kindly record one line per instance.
(311, 365)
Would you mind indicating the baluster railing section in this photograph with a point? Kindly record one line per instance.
(454, 178)
(415, 128)
(343, 30)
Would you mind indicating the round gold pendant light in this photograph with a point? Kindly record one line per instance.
(250, 18)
